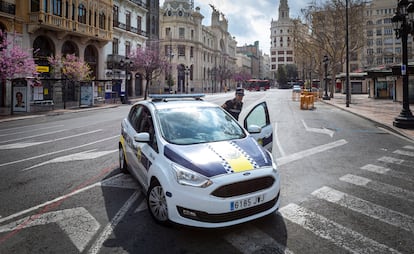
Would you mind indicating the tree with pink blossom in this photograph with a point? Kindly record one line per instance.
(15, 62)
(241, 77)
(71, 66)
(150, 63)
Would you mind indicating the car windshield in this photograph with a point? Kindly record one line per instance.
(184, 126)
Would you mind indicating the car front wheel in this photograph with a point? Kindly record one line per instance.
(122, 161)
(157, 203)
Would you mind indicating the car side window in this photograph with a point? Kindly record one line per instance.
(134, 116)
(145, 124)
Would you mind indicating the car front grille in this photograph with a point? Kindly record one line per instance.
(224, 217)
(245, 187)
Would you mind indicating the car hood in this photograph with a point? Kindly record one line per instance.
(217, 158)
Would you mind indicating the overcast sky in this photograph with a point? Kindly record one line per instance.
(249, 20)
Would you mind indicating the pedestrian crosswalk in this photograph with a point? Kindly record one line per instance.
(381, 180)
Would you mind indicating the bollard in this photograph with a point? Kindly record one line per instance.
(303, 102)
(310, 101)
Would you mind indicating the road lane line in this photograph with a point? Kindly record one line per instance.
(252, 240)
(31, 131)
(379, 187)
(409, 147)
(109, 228)
(55, 152)
(76, 191)
(406, 153)
(365, 207)
(278, 144)
(23, 145)
(48, 206)
(85, 155)
(309, 152)
(34, 136)
(339, 235)
(387, 171)
(387, 159)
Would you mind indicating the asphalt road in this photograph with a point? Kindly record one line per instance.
(347, 187)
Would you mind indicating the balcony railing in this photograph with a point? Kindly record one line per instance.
(63, 24)
(8, 8)
(129, 28)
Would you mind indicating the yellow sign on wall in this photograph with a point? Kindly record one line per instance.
(42, 68)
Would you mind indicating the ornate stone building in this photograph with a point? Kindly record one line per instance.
(202, 57)
(281, 47)
(59, 27)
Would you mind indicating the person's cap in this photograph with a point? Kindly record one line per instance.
(240, 91)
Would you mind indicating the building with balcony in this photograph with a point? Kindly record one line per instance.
(202, 57)
(135, 23)
(59, 27)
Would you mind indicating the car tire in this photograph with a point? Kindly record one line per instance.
(157, 203)
(122, 161)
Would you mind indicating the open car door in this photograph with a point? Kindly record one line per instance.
(257, 123)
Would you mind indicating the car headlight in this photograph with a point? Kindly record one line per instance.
(191, 178)
(274, 165)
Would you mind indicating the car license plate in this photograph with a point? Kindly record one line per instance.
(246, 203)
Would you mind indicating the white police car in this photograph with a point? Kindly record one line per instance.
(198, 166)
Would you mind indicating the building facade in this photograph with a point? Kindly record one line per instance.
(202, 57)
(282, 41)
(56, 27)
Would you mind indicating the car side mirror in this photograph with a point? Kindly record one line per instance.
(254, 129)
(142, 137)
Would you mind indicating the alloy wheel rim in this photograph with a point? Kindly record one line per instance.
(158, 203)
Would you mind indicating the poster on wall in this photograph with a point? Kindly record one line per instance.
(86, 95)
(19, 99)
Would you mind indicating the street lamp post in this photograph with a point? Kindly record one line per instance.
(325, 61)
(187, 73)
(125, 64)
(403, 21)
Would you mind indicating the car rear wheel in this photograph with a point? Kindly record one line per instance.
(157, 203)
(122, 161)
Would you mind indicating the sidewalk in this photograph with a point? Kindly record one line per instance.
(381, 111)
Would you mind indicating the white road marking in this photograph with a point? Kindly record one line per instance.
(318, 130)
(55, 152)
(58, 199)
(409, 147)
(123, 181)
(78, 224)
(341, 236)
(142, 206)
(365, 207)
(252, 240)
(387, 171)
(114, 222)
(379, 187)
(406, 153)
(31, 129)
(277, 141)
(33, 136)
(309, 152)
(23, 145)
(387, 159)
(85, 155)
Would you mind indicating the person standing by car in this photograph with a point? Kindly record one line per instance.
(235, 105)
